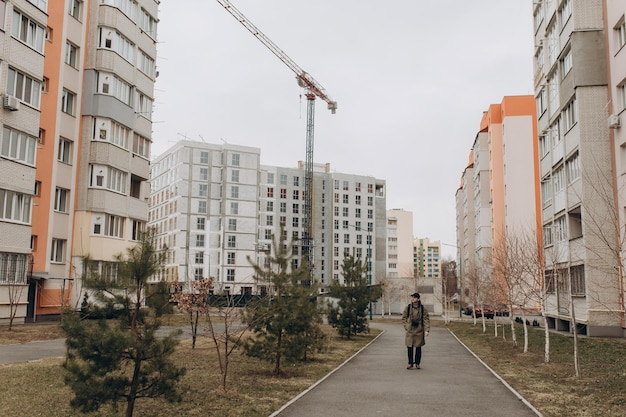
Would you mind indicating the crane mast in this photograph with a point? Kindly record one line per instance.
(313, 89)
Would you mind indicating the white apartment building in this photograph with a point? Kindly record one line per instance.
(575, 151)
(217, 210)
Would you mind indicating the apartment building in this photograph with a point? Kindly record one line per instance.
(615, 24)
(217, 209)
(575, 151)
(23, 42)
(497, 201)
(400, 261)
(427, 258)
(465, 226)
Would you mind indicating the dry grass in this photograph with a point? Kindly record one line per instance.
(553, 388)
(37, 389)
(22, 333)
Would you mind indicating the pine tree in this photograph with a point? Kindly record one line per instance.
(349, 314)
(120, 360)
(286, 323)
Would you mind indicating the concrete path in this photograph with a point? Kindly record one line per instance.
(452, 382)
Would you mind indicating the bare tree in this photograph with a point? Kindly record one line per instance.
(13, 268)
(194, 303)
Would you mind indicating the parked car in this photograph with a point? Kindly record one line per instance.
(502, 310)
(487, 310)
(468, 309)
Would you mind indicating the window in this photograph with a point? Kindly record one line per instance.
(28, 31)
(108, 177)
(296, 194)
(200, 241)
(283, 193)
(370, 201)
(203, 190)
(572, 167)
(231, 241)
(234, 191)
(71, 55)
(566, 63)
(296, 181)
(65, 151)
(295, 209)
(113, 225)
(235, 159)
(143, 105)
(345, 211)
(270, 178)
(146, 64)
(234, 208)
(204, 174)
(538, 15)
(283, 179)
(136, 229)
(204, 157)
(232, 225)
(569, 115)
(15, 206)
(268, 234)
(115, 41)
(57, 252)
(295, 222)
(24, 87)
(200, 223)
(198, 273)
(148, 23)
(230, 275)
(546, 191)
(76, 9)
(68, 102)
(620, 33)
(565, 12)
(18, 146)
(577, 274)
(283, 207)
(269, 221)
(230, 258)
(269, 206)
(199, 258)
(559, 179)
(201, 206)
(111, 85)
(358, 200)
(141, 146)
(234, 175)
(110, 131)
(13, 267)
(61, 200)
(560, 230)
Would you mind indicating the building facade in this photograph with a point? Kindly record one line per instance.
(576, 156)
(218, 210)
(23, 42)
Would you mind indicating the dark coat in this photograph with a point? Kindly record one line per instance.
(415, 324)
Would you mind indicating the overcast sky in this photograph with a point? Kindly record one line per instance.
(411, 79)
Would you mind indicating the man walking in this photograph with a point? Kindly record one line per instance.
(417, 325)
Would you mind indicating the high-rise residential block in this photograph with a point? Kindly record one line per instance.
(218, 211)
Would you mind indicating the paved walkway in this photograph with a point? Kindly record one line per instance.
(452, 382)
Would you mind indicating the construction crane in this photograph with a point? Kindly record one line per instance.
(313, 89)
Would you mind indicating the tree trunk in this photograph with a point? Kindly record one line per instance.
(546, 331)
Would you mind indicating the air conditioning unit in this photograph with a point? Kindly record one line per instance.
(614, 121)
(10, 103)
